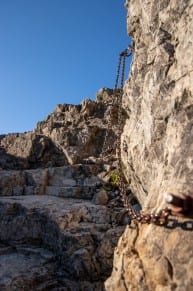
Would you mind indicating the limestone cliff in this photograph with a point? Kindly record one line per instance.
(158, 97)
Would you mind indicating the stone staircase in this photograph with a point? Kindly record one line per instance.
(53, 234)
(58, 226)
(76, 181)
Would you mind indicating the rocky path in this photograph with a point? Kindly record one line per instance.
(57, 243)
(58, 225)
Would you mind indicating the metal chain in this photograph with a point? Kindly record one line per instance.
(106, 149)
(118, 72)
(123, 71)
(160, 217)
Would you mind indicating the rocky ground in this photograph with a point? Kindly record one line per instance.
(60, 218)
(49, 242)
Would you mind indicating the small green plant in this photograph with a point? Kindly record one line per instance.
(114, 178)
(113, 181)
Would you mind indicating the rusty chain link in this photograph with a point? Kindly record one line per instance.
(107, 149)
(161, 217)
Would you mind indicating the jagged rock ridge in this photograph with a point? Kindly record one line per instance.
(70, 134)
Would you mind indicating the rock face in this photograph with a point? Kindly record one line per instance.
(158, 133)
(80, 129)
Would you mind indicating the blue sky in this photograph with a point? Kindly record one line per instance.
(55, 51)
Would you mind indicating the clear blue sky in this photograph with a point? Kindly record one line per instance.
(55, 51)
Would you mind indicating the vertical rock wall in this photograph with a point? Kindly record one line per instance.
(159, 137)
(159, 100)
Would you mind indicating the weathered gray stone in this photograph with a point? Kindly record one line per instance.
(92, 181)
(74, 181)
(71, 192)
(24, 268)
(158, 98)
(12, 183)
(80, 129)
(29, 150)
(72, 232)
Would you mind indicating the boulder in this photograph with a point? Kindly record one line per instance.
(100, 198)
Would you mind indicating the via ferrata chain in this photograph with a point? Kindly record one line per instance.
(161, 216)
(108, 148)
(121, 66)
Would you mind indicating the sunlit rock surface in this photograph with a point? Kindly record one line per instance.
(158, 143)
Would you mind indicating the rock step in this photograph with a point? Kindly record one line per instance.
(78, 233)
(70, 179)
(79, 192)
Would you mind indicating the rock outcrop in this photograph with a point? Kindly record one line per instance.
(80, 129)
(59, 220)
(70, 134)
(158, 98)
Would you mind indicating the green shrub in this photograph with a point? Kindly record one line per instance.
(114, 178)
(113, 181)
